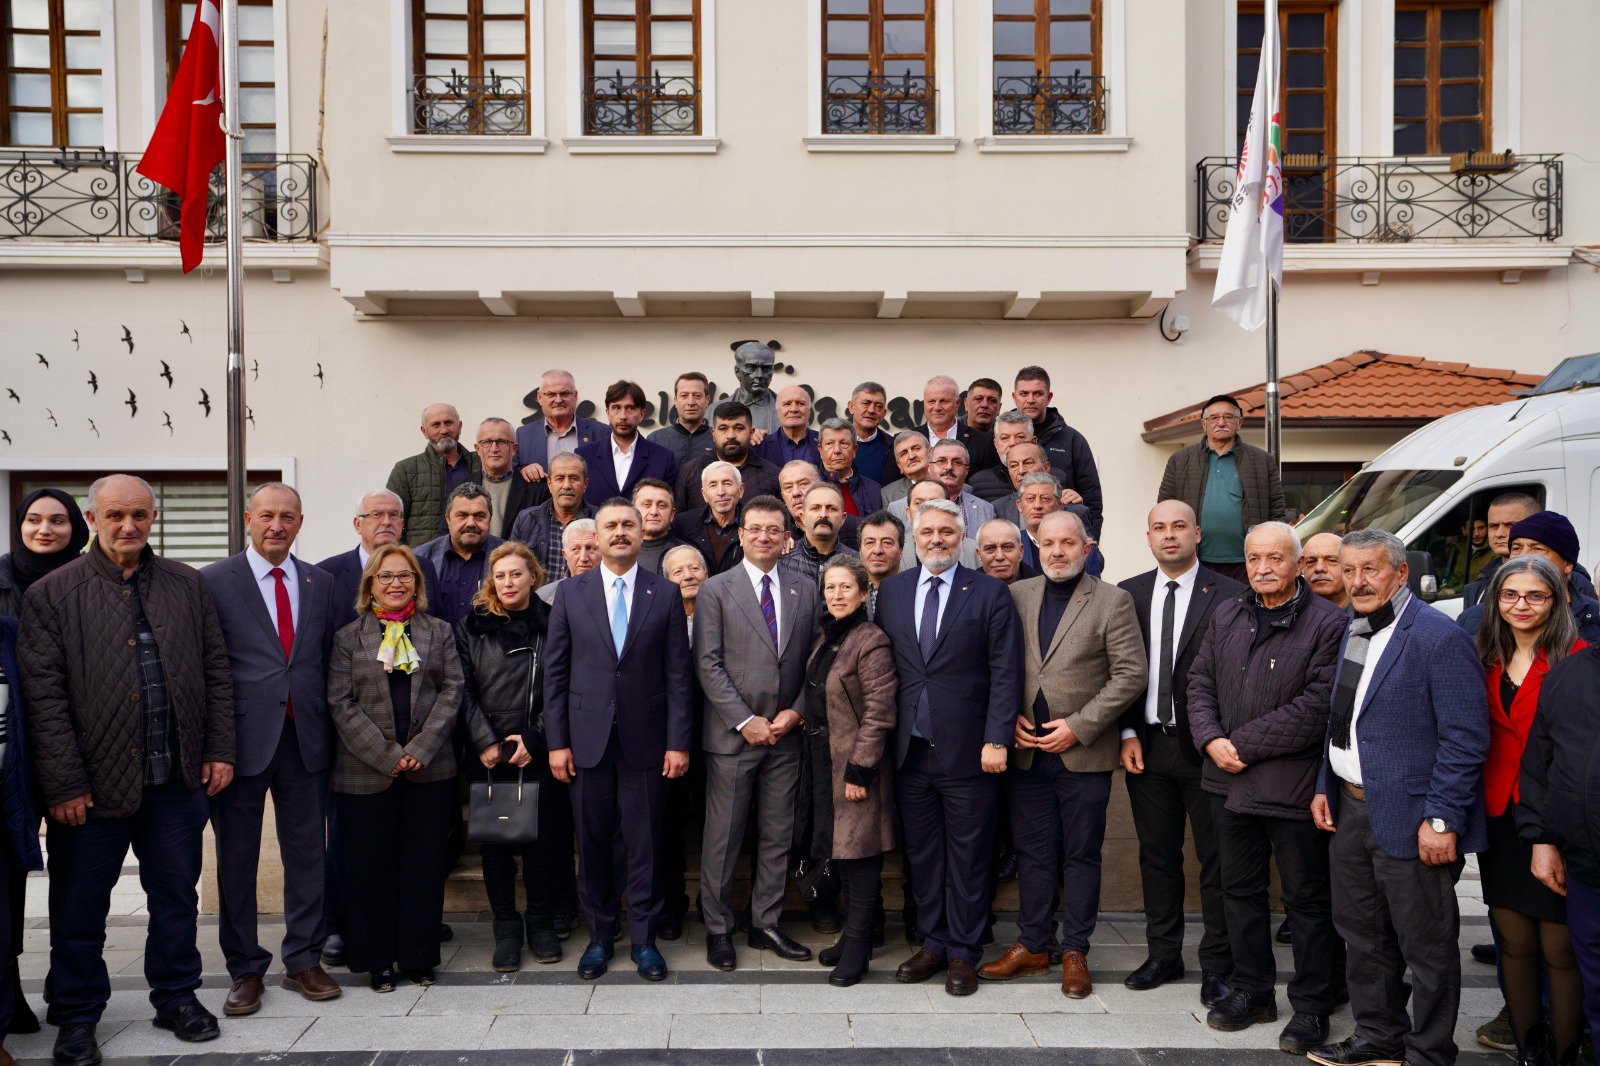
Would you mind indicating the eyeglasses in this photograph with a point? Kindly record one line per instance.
(765, 531)
(1220, 418)
(497, 443)
(1534, 599)
(388, 577)
(565, 394)
(393, 516)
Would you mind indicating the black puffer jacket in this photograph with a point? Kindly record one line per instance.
(502, 662)
(1560, 786)
(1071, 462)
(1271, 700)
(78, 652)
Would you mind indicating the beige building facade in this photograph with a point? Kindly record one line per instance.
(449, 196)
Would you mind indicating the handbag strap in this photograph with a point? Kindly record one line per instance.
(488, 793)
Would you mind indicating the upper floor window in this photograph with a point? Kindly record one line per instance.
(258, 88)
(878, 66)
(52, 92)
(469, 66)
(641, 67)
(1441, 79)
(1047, 74)
(1308, 32)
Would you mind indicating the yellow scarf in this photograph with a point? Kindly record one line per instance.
(397, 652)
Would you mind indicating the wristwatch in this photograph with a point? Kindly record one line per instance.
(1439, 825)
(992, 744)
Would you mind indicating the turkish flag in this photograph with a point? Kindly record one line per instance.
(188, 142)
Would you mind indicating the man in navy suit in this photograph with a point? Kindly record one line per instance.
(618, 720)
(560, 429)
(277, 621)
(1401, 789)
(380, 519)
(623, 458)
(958, 653)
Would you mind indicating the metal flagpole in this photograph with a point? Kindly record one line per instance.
(1273, 418)
(234, 181)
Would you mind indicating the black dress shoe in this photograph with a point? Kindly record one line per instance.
(76, 1046)
(333, 950)
(422, 976)
(1241, 1010)
(776, 941)
(1285, 935)
(1213, 988)
(189, 1022)
(669, 927)
(445, 932)
(1154, 973)
(1354, 1052)
(720, 953)
(563, 925)
(1005, 871)
(382, 980)
(1487, 954)
(1304, 1032)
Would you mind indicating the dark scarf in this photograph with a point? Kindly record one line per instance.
(28, 565)
(1355, 660)
(813, 823)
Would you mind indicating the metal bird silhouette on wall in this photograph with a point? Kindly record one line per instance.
(205, 401)
(168, 422)
(42, 359)
(94, 427)
(127, 338)
(166, 372)
(255, 370)
(133, 403)
(250, 416)
(94, 382)
(318, 375)
(13, 394)
(185, 330)
(75, 345)
(5, 436)
(51, 415)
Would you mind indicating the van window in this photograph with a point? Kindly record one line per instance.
(1458, 541)
(1377, 499)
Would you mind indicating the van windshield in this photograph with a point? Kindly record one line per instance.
(1377, 499)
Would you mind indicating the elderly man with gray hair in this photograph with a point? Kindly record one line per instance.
(580, 550)
(941, 404)
(424, 480)
(714, 528)
(1401, 790)
(862, 495)
(1259, 694)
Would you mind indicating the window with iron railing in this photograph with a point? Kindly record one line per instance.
(469, 67)
(1047, 67)
(641, 71)
(878, 67)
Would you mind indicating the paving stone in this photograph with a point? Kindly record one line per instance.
(444, 1033)
(503, 999)
(238, 1035)
(1011, 997)
(667, 998)
(949, 1030)
(1106, 1030)
(877, 998)
(578, 1031)
(760, 1030)
(358, 1001)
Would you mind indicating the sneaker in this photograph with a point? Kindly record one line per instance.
(1497, 1033)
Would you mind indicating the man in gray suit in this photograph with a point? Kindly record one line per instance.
(277, 616)
(753, 630)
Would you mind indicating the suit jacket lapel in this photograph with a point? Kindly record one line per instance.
(789, 617)
(1201, 599)
(745, 594)
(643, 599)
(422, 640)
(1080, 598)
(597, 605)
(1391, 654)
(960, 579)
(250, 592)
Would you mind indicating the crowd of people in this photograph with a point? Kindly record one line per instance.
(813, 645)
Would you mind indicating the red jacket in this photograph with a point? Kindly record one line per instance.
(1508, 733)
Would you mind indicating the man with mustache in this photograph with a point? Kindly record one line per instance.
(1000, 552)
(541, 527)
(822, 514)
(1258, 708)
(459, 558)
(1320, 567)
(423, 481)
(911, 455)
(794, 439)
(558, 430)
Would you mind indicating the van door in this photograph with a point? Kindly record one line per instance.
(1457, 542)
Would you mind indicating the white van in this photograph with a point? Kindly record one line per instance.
(1433, 488)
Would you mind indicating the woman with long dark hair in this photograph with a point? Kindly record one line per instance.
(1527, 629)
(47, 533)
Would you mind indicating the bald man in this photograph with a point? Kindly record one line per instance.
(1319, 565)
(424, 481)
(793, 439)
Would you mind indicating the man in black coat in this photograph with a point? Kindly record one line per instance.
(941, 402)
(1174, 603)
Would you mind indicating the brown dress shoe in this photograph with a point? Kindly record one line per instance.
(962, 980)
(244, 997)
(1018, 961)
(1075, 982)
(920, 967)
(313, 983)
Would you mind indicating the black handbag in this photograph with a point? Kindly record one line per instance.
(509, 816)
(816, 879)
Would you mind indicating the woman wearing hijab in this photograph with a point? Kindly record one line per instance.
(394, 690)
(47, 532)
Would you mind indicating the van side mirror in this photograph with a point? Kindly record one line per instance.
(1421, 578)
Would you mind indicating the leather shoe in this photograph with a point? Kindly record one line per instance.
(1005, 871)
(423, 976)
(382, 980)
(720, 953)
(1356, 1052)
(563, 925)
(76, 1046)
(919, 967)
(774, 940)
(1241, 1010)
(333, 950)
(593, 963)
(652, 967)
(962, 978)
(1075, 981)
(1018, 961)
(1154, 973)
(244, 997)
(1284, 935)
(312, 983)
(1304, 1032)
(669, 926)
(1487, 954)
(189, 1022)
(1213, 988)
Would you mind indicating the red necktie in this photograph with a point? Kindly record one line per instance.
(285, 623)
(849, 500)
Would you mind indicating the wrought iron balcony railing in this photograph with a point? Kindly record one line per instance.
(1073, 103)
(93, 195)
(1397, 200)
(628, 106)
(456, 104)
(877, 103)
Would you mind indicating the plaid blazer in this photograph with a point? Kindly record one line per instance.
(358, 700)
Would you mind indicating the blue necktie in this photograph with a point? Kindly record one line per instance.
(927, 636)
(619, 617)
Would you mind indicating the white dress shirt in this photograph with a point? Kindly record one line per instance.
(362, 554)
(629, 580)
(622, 461)
(1158, 604)
(934, 436)
(755, 574)
(1346, 762)
(267, 585)
(922, 596)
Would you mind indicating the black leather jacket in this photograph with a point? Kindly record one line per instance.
(502, 659)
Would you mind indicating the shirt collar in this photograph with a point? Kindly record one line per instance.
(946, 579)
(755, 574)
(1185, 580)
(629, 579)
(260, 566)
(616, 449)
(362, 555)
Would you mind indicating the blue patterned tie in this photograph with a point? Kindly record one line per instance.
(927, 636)
(768, 610)
(619, 617)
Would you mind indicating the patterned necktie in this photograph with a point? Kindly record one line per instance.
(927, 636)
(1169, 613)
(619, 617)
(769, 610)
(285, 622)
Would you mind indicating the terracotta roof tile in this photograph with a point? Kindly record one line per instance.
(1370, 386)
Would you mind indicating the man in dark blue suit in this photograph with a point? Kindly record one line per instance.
(559, 429)
(380, 519)
(276, 614)
(958, 653)
(1401, 789)
(618, 720)
(623, 458)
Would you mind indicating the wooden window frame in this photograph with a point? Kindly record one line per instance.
(58, 72)
(1042, 57)
(875, 17)
(1433, 80)
(476, 57)
(644, 59)
(1014, 100)
(474, 97)
(177, 35)
(1330, 89)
